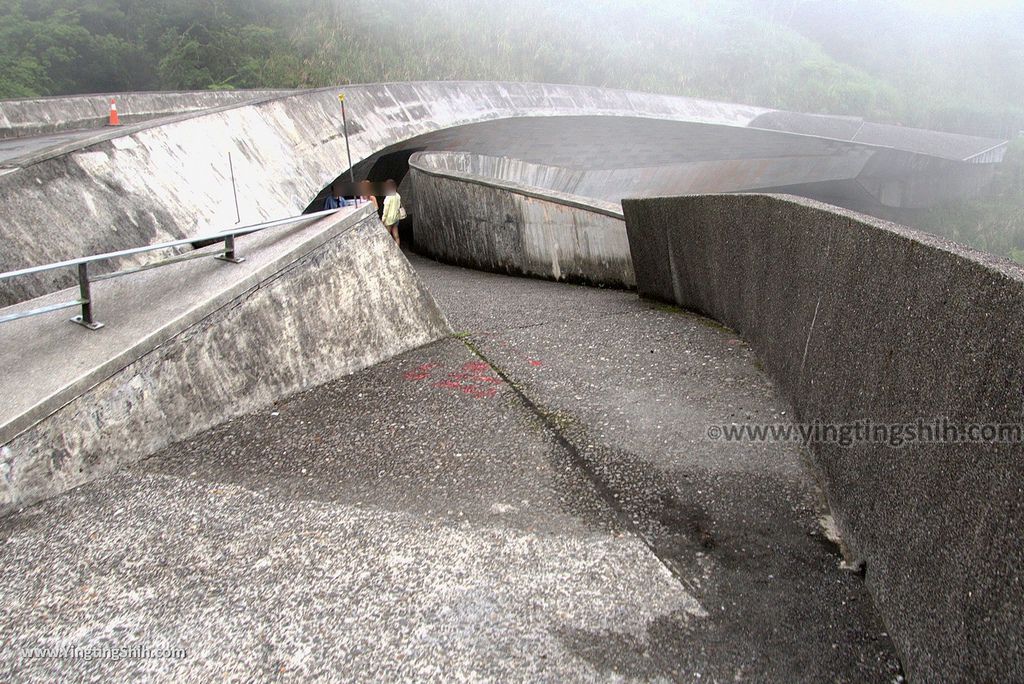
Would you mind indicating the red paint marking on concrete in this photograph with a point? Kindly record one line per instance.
(472, 377)
(536, 363)
(475, 379)
(422, 372)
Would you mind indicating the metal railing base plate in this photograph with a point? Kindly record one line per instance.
(95, 325)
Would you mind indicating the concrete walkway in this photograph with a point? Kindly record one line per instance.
(534, 499)
(13, 148)
(52, 361)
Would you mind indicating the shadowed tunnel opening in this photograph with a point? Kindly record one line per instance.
(377, 170)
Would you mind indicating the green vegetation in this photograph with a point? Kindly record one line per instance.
(994, 223)
(50, 47)
(886, 60)
(898, 61)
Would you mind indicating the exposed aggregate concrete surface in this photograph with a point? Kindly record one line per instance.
(857, 319)
(504, 505)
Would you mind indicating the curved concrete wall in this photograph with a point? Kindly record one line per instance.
(857, 319)
(41, 115)
(173, 178)
(211, 342)
(507, 227)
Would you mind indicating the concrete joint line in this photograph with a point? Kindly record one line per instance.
(579, 461)
(528, 326)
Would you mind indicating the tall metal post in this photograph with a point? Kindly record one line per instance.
(85, 295)
(348, 150)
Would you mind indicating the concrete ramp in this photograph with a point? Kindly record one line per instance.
(166, 179)
(189, 346)
(45, 115)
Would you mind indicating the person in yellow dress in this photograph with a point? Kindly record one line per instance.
(392, 209)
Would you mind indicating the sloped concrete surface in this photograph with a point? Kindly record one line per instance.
(14, 148)
(163, 180)
(174, 180)
(637, 176)
(952, 146)
(51, 362)
(188, 346)
(479, 508)
(40, 116)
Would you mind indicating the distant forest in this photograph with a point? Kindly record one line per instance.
(887, 60)
(882, 59)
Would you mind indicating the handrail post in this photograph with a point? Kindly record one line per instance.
(229, 251)
(84, 299)
(85, 294)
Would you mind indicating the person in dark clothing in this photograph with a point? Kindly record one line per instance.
(333, 201)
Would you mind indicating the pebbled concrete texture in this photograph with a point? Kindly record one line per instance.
(322, 305)
(859, 319)
(632, 388)
(478, 508)
(511, 228)
(380, 528)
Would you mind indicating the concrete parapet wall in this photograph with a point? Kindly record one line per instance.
(42, 115)
(858, 319)
(324, 306)
(177, 176)
(173, 180)
(506, 227)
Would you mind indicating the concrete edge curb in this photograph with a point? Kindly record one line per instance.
(108, 134)
(173, 328)
(536, 192)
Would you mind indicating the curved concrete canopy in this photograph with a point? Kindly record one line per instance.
(611, 158)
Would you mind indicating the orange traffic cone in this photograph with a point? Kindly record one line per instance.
(114, 121)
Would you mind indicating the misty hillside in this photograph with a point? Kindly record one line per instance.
(889, 61)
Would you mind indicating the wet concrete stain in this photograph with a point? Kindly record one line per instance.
(750, 572)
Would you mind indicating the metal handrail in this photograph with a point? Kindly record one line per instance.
(86, 319)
